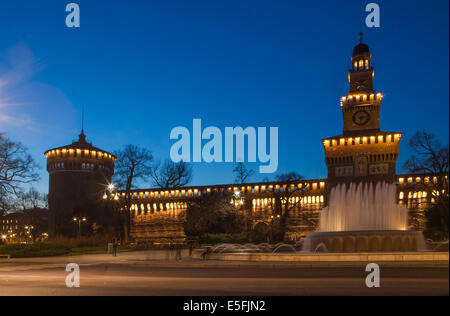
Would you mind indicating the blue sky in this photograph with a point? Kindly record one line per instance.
(141, 68)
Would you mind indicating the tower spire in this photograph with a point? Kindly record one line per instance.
(82, 120)
(82, 136)
(360, 37)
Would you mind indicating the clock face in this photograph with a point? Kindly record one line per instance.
(361, 117)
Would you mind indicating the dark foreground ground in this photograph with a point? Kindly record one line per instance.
(124, 279)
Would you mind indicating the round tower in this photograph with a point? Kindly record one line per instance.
(79, 174)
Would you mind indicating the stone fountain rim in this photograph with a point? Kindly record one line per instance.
(365, 232)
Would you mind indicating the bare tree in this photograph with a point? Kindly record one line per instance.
(7, 205)
(133, 164)
(430, 157)
(32, 199)
(285, 200)
(17, 167)
(32, 204)
(242, 173)
(171, 174)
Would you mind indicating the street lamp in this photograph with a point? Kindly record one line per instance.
(79, 221)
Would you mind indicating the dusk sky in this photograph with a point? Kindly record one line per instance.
(141, 68)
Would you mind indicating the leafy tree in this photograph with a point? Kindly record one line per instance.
(212, 213)
(171, 175)
(133, 164)
(430, 157)
(284, 201)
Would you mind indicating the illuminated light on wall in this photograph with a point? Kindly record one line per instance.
(401, 195)
(322, 199)
(409, 195)
(401, 180)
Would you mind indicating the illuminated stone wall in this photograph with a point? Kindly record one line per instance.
(158, 216)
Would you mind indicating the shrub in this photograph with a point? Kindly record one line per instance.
(241, 238)
(80, 242)
(34, 250)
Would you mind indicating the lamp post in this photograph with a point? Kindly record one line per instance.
(272, 218)
(79, 221)
(111, 198)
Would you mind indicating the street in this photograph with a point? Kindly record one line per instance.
(155, 279)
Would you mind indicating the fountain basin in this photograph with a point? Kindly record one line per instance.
(365, 241)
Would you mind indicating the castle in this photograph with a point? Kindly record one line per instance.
(79, 174)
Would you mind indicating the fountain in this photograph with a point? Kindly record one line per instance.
(362, 214)
(364, 217)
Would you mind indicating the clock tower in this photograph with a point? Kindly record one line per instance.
(361, 107)
(362, 152)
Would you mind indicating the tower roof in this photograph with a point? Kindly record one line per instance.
(82, 144)
(360, 49)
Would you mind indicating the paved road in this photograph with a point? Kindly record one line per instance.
(131, 279)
